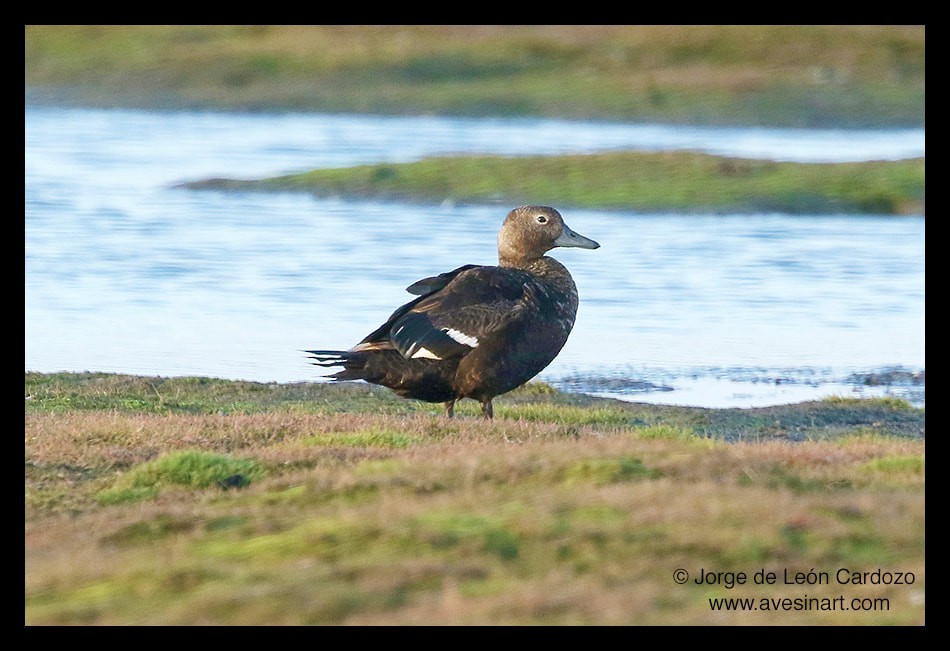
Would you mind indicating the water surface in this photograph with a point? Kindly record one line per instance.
(125, 273)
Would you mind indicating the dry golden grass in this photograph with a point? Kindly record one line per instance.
(413, 519)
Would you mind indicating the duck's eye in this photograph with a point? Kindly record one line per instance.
(541, 219)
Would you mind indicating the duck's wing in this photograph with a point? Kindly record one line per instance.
(379, 338)
(474, 304)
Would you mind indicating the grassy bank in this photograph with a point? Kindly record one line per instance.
(668, 181)
(762, 75)
(746, 75)
(201, 501)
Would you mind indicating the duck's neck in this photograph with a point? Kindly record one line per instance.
(525, 262)
(543, 267)
(515, 262)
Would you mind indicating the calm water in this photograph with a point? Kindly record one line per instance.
(125, 273)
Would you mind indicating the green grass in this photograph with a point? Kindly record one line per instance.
(566, 509)
(771, 75)
(670, 181)
(386, 438)
(189, 468)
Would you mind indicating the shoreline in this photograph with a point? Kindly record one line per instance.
(198, 396)
(713, 389)
(723, 392)
(69, 97)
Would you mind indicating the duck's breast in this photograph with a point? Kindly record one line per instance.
(531, 340)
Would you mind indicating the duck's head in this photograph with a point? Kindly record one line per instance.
(531, 231)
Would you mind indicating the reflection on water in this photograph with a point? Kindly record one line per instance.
(125, 274)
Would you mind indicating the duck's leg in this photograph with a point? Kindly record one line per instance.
(450, 409)
(487, 410)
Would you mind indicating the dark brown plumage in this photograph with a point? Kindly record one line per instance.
(477, 331)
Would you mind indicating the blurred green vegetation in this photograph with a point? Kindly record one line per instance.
(798, 75)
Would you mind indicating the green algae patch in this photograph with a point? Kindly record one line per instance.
(679, 181)
(898, 465)
(190, 469)
(608, 471)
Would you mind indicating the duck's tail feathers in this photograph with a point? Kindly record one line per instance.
(353, 363)
(327, 357)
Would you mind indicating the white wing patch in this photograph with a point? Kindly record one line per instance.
(417, 350)
(461, 337)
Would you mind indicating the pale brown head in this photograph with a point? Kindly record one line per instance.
(531, 231)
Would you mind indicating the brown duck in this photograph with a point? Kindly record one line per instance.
(477, 331)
